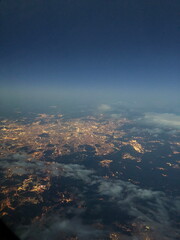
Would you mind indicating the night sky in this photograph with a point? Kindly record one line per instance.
(102, 44)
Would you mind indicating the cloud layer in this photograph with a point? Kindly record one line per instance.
(18, 164)
(104, 107)
(163, 119)
(152, 208)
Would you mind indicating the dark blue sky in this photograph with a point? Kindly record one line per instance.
(102, 43)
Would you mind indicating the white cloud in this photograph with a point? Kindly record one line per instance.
(104, 107)
(77, 171)
(19, 165)
(151, 207)
(163, 119)
(55, 228)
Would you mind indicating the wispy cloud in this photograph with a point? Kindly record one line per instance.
(104, 107)
(146, 207)
(151, 207)
(162, 119)
(19, 164)
(77, 172)
(55, 227)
